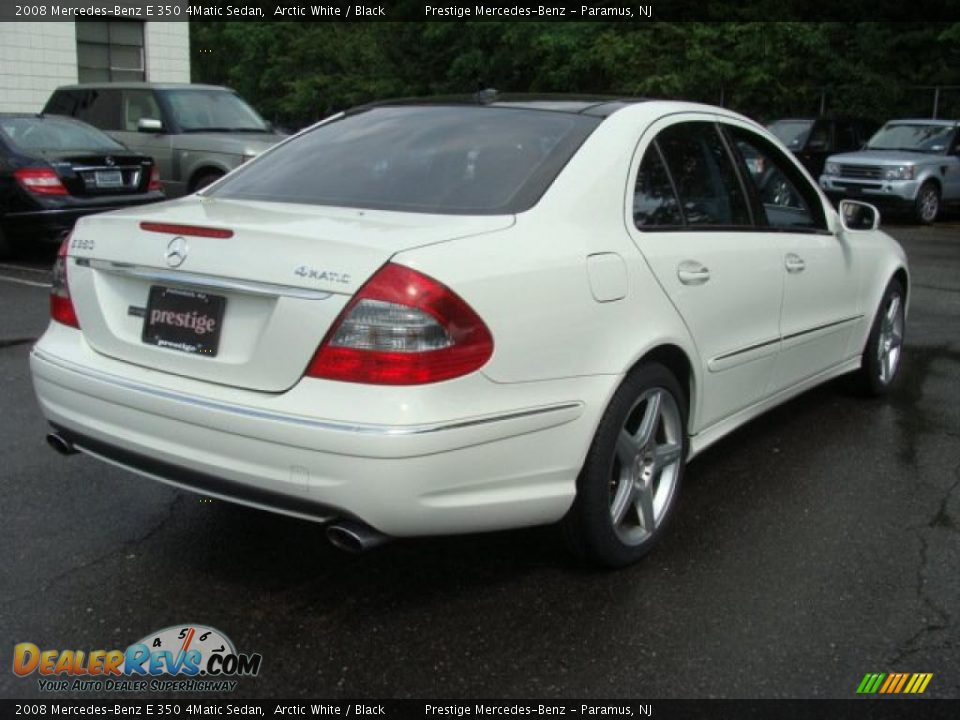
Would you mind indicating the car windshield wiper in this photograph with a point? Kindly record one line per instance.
(898, 149)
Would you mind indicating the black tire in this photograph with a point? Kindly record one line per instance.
(204, 179)
(589, 527)
(872, 379)
(927, 205)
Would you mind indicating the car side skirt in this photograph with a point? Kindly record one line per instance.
(708, 436)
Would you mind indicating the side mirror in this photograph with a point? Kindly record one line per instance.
(149, 125)
(858, 216)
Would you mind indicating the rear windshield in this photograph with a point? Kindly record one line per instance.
(51, 135)
(436, 159)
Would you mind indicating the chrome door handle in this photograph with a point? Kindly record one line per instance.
(794, 263)
(690, 272)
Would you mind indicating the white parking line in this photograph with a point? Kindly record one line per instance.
(20, 268)
(18, 281)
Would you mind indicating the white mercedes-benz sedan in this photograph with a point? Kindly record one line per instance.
(441, 317)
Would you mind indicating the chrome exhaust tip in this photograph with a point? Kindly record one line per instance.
(62, 446)
(354, 537)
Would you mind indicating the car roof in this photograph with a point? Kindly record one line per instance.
(42, 116)
(141, 86)
(594, 105)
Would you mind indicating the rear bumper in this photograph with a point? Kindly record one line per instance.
(443, 472)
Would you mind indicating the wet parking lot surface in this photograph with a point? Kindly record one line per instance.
(816, 544)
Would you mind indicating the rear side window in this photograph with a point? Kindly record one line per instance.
(63, 103)
(100, 108)
(709, 190)
(438, 159)
(846, 137)
(654, 199)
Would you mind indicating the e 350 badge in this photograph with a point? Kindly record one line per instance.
(197, 657)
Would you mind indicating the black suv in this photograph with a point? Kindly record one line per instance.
(812, 140)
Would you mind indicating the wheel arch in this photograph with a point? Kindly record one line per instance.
(931, 177)
(201, 170)
(678, 361)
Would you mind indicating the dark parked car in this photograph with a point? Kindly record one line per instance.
(812, 140)
(54, 170)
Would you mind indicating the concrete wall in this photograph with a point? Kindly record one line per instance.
(36, 57)
(168, 51)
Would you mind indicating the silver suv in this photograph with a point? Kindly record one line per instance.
(195, 133)
(907, 164)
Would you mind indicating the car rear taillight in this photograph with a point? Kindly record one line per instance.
(40, 181)
(154, 179)
(61, 306)
(402, 328)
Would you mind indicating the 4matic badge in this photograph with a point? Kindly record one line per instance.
(201, 658)
(305, 271)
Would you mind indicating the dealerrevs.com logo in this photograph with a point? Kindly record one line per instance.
(180, 658)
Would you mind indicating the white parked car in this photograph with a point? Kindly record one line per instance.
(433, 318)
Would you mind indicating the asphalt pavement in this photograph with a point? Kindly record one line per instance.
(815, 545)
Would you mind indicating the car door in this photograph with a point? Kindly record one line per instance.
(690, 218)
(950, 170)
(819, 308)
(819, 147)
(136, 104)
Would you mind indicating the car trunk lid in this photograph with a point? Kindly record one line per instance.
(86, 174)
(271, 283)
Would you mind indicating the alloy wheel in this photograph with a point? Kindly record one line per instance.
(646, 465)
(929, 204)
(890, 340)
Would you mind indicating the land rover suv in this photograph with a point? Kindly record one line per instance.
(195, 133)
(911, 165)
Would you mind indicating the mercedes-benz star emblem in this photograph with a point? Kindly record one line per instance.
(176, 252)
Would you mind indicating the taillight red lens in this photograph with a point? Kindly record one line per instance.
(403, 328)
(61, 306)
(41, 181)
(154, 179)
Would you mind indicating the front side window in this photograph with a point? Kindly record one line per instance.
(138, 105)
(436, 159)
(787, 199)
(110, 51)
(706, 182)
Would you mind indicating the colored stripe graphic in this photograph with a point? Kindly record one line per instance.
(894, 683)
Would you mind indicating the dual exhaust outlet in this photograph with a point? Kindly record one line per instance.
(348, 535)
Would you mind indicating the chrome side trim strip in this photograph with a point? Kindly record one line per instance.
(747, 349)
(211, 282)
(793, 335)
(773, 341)
(356, 428)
